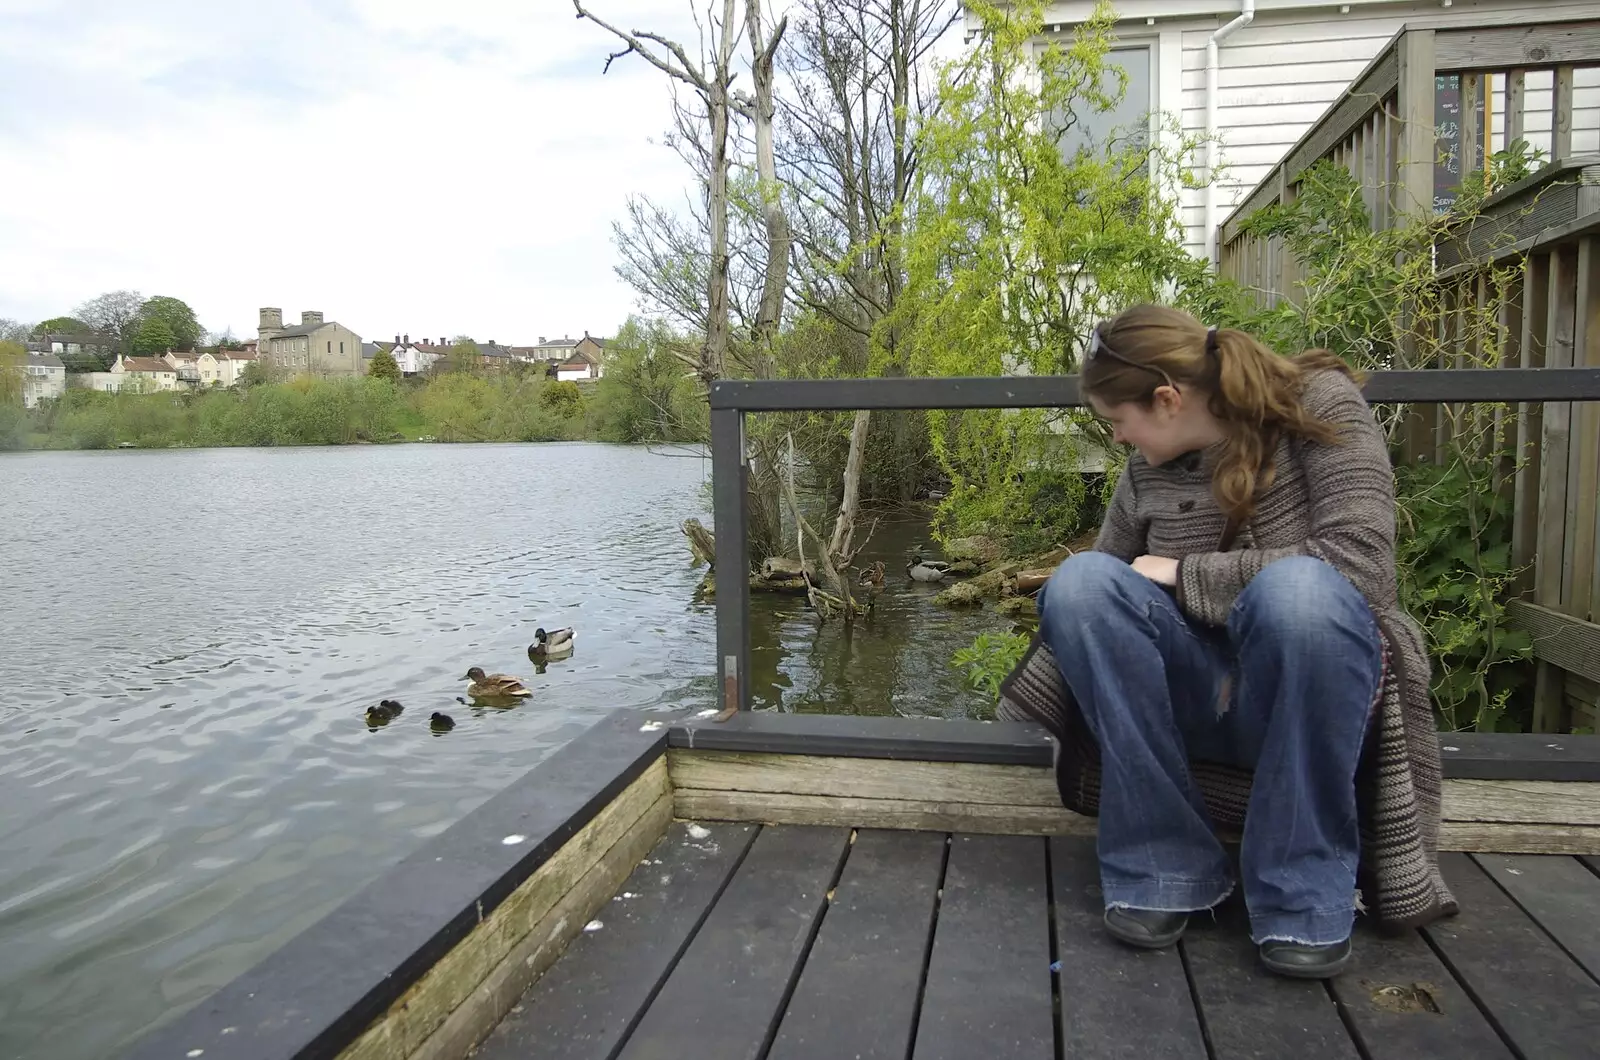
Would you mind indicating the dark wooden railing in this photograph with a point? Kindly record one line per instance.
(1419, 124)
(1562, 640)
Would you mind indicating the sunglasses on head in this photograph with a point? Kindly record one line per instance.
(1098, 346)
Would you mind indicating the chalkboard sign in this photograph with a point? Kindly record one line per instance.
(1447, 109)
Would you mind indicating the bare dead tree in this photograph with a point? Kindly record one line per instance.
(849, 152)
(711, 80)
(860, 71)
(760, 109)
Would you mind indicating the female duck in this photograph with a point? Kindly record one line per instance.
(494, 686)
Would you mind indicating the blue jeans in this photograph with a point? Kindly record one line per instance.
(1284, 689)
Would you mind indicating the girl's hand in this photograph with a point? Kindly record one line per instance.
(1159, 569)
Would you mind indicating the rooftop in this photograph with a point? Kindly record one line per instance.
(301, 330)
(146, 364)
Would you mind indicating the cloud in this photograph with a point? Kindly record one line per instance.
(400, 165)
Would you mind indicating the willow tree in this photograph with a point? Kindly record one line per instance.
(1035, 221)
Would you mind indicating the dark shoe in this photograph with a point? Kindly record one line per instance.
(1148, 929)
(1299, 961)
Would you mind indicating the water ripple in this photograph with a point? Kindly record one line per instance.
(192, 638)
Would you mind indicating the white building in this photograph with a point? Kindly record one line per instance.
(412, 358)
(105, 382)
(44, 378)
(143, 374)
(578, 366)
(1279, 65)
(231, 365)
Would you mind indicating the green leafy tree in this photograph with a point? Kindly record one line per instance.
(56, 325)
(153, 338)
(383, 366)
(462, 357)
(256, 373)
(13, 359)
(562, 397)
(648, 392)
(1030, 230)
(179, 318)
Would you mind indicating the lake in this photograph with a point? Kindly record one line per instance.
(191, 639)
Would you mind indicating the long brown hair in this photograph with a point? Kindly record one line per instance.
(1253, 392)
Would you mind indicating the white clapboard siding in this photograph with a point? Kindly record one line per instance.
(1280, 74)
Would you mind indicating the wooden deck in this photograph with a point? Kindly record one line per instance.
(743, 941)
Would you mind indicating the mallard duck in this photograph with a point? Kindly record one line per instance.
(384, 712)
(441, 722)
(926, 570)
(494, 686)
(551, 645)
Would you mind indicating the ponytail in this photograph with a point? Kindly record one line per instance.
(1253, 392)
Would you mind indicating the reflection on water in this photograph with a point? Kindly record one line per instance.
(192, 640)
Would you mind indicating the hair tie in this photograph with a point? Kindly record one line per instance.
(1211, 341)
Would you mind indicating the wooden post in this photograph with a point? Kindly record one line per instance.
(1510, 323)
(1471, 92)
(1385, 168)
(1561, 115)
(1530, 415)
(1549, 565)
(1516, 105)
(1449, 338)
(1584, 535)
(1418, 146)
(1288, 267)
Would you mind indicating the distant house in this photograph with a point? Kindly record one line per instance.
(85, 351)
(208, 368)
(411, 358)
(232, 363)
(566, 358)
(44, 379)
(580, 365)
(496, 358)
(313, 347)
(595, 350)
(551, 351)
(143, 373)
(193, 369)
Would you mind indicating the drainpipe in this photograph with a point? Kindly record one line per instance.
(1247, 14)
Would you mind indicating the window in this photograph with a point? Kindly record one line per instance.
(330, 346)
(341, 347)
(1129, 120)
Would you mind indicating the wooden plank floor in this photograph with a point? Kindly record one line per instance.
(737, 942)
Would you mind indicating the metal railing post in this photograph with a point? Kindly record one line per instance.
(729, 475)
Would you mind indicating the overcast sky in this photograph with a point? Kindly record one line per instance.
(434, 167)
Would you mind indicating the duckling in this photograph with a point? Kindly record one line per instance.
(384, 712)
(926, 570)
(441, 722)
(494, 686)
(551, 645)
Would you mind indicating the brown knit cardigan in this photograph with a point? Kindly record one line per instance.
(1334, 502)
